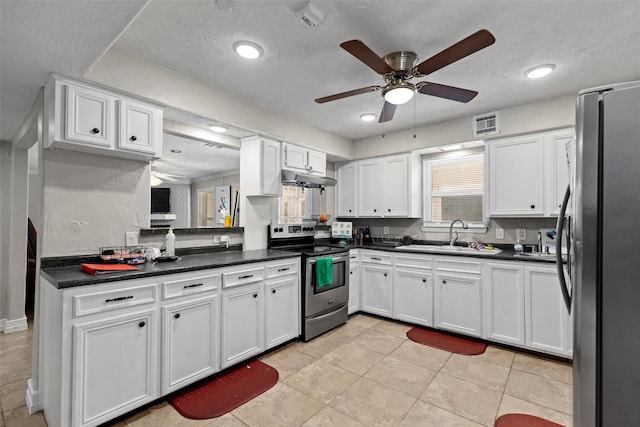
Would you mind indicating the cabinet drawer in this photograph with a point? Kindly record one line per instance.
(354, 256)
(283, 269)
(241, 277)
(458, 266)
(421, 262)
(190, 286)
(113, 300)
(376, 258)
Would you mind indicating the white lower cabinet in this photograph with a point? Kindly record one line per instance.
(413, 296)
(114, 365)
(377, 292)
(242, 323)
(504, 302)
(354, 281)
(547, 325)
(457, 303)
(282, 296)
(190, 342)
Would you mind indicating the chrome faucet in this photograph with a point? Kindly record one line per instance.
(452, 240)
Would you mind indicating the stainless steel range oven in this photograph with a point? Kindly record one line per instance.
(323, 306)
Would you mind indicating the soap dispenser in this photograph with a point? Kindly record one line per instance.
(171, 243)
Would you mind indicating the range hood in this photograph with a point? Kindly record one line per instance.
(306, 180)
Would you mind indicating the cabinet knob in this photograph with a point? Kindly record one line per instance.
(255, 295)
(375, 210)
(385, 274)
(351, 272)
(349, 210)
(444, 282)
(95, 131)
(133, 138)
(177, 315)
(388, 210)
(273, 291)
(533, 206)
(424, 280)
(141, 324)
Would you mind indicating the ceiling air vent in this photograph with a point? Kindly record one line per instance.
(486, 124)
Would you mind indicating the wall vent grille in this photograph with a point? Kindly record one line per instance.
(486, 124)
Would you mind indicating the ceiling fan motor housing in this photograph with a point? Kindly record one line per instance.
(402, 61)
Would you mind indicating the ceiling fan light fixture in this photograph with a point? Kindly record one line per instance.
(368, 117)
(399, 93)
(539, 71)
(248, 50)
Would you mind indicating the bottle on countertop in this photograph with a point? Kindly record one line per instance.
(170, 239)
(517, 247)
(367, 235)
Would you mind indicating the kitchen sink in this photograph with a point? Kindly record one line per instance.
(450, 249)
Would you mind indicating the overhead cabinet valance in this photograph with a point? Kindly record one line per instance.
(81, 117)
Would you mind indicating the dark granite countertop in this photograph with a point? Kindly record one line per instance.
(505, 255)
(71, 275)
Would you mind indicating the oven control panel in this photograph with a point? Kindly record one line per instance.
(282, 231)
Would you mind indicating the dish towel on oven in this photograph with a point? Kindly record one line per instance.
(324, 271)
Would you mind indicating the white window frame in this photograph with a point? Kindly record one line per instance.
(441, 226)
(307, 211)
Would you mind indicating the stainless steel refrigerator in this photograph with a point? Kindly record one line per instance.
(603, 287)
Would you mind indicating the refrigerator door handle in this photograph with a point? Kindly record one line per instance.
(559, 233)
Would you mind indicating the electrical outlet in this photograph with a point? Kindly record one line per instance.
(500, 233)
(521, 234)
(386, 230)
(131, 238)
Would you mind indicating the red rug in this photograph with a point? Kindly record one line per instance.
(446, 342)
(522, 420)
(226, 391)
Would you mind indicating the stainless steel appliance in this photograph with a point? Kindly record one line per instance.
(603, 291)
(323, 307)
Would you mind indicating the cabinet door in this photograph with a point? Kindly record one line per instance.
(140, 127)
(369, 188)
(504, 303)
(282, 302)
(516, 182)
(354, 287)
(376, 287)
(558, 171)
(270, 168)
(413, 296)
(114, 366)
(294, 157)
(395, 186)
(191, 342)
(457, 303)
(346, 193)
(242, 324)
(89, 117)
(546, 317)
(317, 163)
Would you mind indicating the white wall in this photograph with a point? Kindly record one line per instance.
(538, 116)
(91, 201)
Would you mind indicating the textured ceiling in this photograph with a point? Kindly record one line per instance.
(591, 42)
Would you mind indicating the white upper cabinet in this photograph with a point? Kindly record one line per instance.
(260, 167)
(302, 159)
(347, 191)
(528, 174)
(93, 120)
(380, 187)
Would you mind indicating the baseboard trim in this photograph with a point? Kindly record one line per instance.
(16, 325)
(33, 398)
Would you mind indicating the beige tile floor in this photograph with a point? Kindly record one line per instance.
(364, 373)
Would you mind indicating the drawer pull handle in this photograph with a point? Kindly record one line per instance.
(118, 299)
(283, 269)
(177, 315)
(376, 258)
(141, 324)
(195, 285)
(246, 277)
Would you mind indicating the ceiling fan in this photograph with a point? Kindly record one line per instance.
(399, 68)
(158, 178)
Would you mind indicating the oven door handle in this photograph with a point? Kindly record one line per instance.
(335, 259)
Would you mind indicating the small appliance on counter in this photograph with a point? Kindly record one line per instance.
(342, 231)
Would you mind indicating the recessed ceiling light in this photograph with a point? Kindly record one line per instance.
(247, 49)
(368, 117)
(539, 71)
(218, 128)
